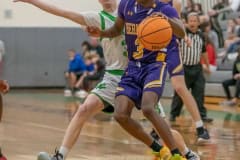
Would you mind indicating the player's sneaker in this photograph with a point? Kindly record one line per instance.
(46, 156)
(164, 154)
(192, 156)
(204, 137)
(67, 93)
(177, 157)
(154, 135)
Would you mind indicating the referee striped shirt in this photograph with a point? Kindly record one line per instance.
(192, 55)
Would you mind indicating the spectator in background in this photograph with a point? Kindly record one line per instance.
(188, 9)
(207, 28)
(198, 9)
(235, 80)
(76, 68)
(211, 52)
(88, 81)
(96, 47)
(229, 6)
(86, 47)
(231, 33)
(215, 20)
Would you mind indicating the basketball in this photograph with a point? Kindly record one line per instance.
(154, 33)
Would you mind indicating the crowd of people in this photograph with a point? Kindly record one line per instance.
(85, 69)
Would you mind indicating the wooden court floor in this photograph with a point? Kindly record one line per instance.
(35, 121)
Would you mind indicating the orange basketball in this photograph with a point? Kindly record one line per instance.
(154, 33)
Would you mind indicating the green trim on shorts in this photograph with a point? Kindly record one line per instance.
(116, 72)
(108, 108)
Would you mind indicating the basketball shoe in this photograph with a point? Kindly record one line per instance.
(192, 156)
(177, 157)
(46, 156)
(203, 137)
(163, 154)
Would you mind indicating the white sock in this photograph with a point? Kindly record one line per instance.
(186, 150)
(64, 151)
(199, 124)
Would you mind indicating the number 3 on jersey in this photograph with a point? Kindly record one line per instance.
(139, 53)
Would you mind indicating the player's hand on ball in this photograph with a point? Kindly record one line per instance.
(4, 86)
(94, 31)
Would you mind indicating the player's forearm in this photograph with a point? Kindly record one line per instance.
(111, 32)
(115, 30)
(58, 11)
(178, 28)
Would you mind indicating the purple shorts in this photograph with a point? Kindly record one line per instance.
(174, 63)
(139, 78)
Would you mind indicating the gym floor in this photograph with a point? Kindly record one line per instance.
(35, 120)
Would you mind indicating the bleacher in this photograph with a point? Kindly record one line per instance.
(213, 81)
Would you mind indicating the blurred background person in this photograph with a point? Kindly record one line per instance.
(211, 53)
(96, 47)
(235, 80)
(76, 69)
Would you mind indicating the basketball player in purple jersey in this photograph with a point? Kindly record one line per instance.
(143, 81)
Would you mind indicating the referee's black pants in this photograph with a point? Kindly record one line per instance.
(195, 81)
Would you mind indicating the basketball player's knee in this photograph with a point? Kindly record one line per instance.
(83, 111)
(121, 117)
(148, 110)
(179, 88)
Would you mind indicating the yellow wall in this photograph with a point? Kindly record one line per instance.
(26, 15)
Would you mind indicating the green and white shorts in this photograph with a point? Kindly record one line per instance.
(106, 89)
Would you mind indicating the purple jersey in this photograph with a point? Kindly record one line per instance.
(133, 13)
(171, 2)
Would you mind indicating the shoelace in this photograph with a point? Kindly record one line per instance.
(57, 155)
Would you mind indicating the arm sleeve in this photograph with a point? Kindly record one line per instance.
(169, 11)
(122, 8)
(92, 19)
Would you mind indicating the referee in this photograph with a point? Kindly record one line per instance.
(192, 50)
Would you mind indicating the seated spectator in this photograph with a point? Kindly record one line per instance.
(211, 52)
(235, 80)
(207, 28)
(89, 81)
(96, 47)
(76, 68)
(86, 47)
(231, 34)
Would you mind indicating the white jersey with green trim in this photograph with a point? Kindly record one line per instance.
(115, 51)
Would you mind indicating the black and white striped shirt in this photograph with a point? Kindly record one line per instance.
(192, 55)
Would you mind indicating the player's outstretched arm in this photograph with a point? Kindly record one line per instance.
(56, 10)
(178, 27)
(114, 31)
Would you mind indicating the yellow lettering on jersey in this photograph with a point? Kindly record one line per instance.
(131, 28)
